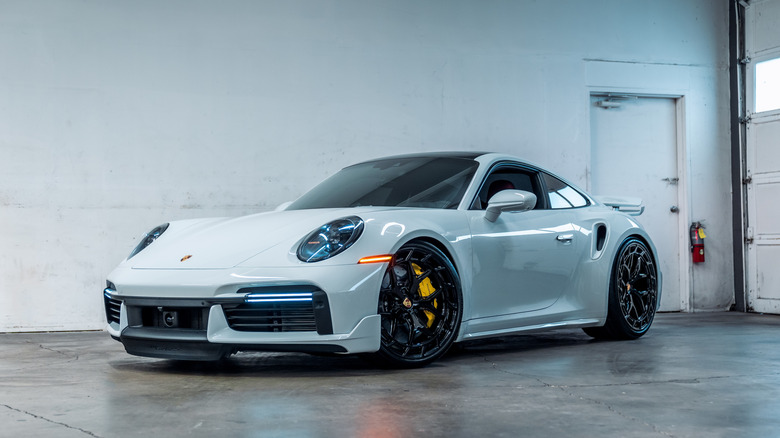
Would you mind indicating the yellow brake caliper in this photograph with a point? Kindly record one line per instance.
(426, 289)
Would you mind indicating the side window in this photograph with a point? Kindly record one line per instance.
(562, 195)
(508, 178)
(767, 85)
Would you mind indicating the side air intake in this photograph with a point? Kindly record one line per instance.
(599, 239)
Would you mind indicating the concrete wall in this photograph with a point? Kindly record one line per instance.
(118, 116)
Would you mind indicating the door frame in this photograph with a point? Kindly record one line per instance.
(683, 187)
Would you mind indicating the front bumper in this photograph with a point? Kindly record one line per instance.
(208, 314)
(219, 340)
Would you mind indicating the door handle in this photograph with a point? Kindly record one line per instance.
(565, 238)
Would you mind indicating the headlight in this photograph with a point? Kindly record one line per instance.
(330, 239)
(147, 240)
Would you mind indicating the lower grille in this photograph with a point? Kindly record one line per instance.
(272, 317)
(280, 309)
(113, 307)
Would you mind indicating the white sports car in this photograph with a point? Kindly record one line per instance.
(397, 257)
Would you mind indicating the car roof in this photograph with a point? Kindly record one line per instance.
(469, 155)
(485, 159)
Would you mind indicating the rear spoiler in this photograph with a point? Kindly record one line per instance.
(627, 205)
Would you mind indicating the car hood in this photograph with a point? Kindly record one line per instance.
(220, 243)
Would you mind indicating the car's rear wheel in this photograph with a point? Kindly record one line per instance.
(421, 305)
(633, 293)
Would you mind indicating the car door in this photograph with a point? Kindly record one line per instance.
(524, 261)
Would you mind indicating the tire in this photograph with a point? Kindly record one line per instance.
(421, 305)
(633, 293)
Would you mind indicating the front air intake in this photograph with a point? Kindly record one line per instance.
(113, 306)
(287, 309)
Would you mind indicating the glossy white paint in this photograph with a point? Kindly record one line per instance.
(526, 270)
(510, 201)
(519, 263)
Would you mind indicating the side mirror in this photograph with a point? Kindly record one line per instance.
(509, 200)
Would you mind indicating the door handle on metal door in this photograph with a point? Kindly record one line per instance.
(565, 238)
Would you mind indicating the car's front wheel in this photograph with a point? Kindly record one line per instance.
(633, 293)
(421, 306)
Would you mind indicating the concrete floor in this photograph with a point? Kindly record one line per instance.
(692, 375)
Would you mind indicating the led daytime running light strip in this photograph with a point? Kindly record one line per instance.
(278, 298)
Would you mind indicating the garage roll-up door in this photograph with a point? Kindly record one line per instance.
(762, 41)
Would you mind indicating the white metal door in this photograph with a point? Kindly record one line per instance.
(634, 153)
(762, 40)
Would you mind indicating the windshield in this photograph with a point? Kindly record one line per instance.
(426, 182)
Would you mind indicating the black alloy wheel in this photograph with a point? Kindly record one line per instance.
(633, 293)
(421, 305)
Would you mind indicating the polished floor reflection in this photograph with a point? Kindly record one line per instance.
(693, 375)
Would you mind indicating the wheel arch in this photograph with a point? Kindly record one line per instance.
(441, 246)
(647, 243)
(632, 230)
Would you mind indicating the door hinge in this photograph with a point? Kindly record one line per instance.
(745, 60)
(749, 240)
(745, 119)
(747, 180)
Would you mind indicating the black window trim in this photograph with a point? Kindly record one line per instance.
(536, 175)
(547, 193)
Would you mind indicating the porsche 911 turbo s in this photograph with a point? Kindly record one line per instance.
(397, 258)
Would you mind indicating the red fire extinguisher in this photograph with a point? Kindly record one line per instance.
(697, 242)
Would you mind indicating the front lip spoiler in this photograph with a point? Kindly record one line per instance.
(183, 344)
(172, 344)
